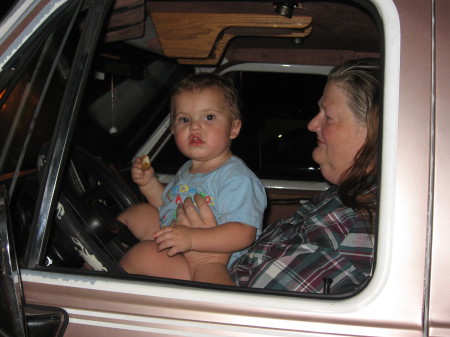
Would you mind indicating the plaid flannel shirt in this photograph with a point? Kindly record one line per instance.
(323, 240)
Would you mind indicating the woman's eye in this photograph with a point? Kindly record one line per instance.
(327, 116)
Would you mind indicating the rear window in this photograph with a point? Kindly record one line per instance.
(274, 140)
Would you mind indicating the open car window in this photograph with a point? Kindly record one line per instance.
(123, 106)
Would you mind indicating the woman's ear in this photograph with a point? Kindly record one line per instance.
(235, 128)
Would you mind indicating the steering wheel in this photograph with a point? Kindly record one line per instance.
(87, 231)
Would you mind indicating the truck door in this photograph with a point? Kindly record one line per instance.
(439, 295)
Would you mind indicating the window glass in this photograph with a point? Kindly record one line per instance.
(30, 101)
(29, 105)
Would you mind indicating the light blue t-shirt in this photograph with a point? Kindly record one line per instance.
(233, 192)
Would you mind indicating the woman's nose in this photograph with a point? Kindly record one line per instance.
(314, 124)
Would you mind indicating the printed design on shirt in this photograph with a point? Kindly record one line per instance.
(177, 194)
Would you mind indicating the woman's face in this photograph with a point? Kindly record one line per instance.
(339, 134)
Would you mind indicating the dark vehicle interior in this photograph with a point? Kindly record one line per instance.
(136, 57)
(144, 49)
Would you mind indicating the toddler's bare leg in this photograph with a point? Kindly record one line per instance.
(142, 220)
(144, 259)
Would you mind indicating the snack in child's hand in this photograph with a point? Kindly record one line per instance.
(145, 162)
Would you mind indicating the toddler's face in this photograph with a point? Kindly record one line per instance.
(203, 125)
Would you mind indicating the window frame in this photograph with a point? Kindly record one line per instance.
(212, 295)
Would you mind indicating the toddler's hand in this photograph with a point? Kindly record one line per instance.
(177, 239)
(141, 177)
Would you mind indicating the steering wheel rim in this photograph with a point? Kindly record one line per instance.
(83, 218)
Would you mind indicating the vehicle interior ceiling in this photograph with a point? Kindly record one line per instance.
(205, 33)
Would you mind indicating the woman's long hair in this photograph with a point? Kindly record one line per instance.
(361, 81)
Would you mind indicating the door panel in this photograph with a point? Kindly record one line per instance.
(21, 320)
(439, 322)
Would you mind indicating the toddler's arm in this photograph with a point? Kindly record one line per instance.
(226, 238)
(148, 183)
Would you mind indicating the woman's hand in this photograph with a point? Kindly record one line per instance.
(187, 214)
(205, 267)
(178, 237)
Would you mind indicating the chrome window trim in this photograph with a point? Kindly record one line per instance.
(59, 145)
(11, 25)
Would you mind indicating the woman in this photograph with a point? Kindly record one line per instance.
(327, 245)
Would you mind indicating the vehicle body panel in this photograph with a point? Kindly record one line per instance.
(439, 309)
(407, 294)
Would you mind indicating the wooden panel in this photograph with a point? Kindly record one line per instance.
(218, 51)
(126, 20)
(193, 35)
